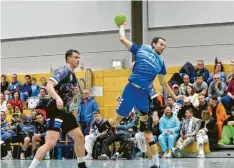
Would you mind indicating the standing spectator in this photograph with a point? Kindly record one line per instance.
(188, 132)
(3, 103)
(25, 89)
(218, 112)
(228, 130)
(218, 69)
(200, 86)
(85, 111)
(200, 70)
(217, 88)
(4, 83)
(35, 88)
(169, 126)
(43, 82)
(208, 133)
(174, 106)
(203, 106)
(9, 112)
(184, 85)
(16, 100)
(12, 87)
(193, 97)
(229, 99)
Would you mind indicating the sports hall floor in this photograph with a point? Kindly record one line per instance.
(165, 163)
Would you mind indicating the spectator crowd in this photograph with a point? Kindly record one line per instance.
(206, 115)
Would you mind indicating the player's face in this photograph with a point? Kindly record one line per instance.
(74, 60)
(159, 46)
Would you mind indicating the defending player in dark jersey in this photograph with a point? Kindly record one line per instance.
(62, 87)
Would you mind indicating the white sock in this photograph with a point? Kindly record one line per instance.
(9, 152)
(151, 162)
(34, 163)
(155, 159)
(80, 159)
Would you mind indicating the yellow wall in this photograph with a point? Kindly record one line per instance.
(113, 82)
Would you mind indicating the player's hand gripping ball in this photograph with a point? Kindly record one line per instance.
(120, 19)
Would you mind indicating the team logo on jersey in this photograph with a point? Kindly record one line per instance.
(71, 77)
(120, 102)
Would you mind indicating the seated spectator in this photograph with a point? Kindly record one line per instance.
(85, 111)
(203, 106)
(187, 105)
(174, 106)
(189, 129)
(35, 88)
(200, 70)
(44, 99)
(92, 137)
(18, 110)
(208, 133)
(125, 130)
(4, 124)
(183, 86)
(218, 112)
(10, 136)
(200, 86)
(218, 69)
(39, 135)
(228, 100)
(175, 89)
(192, 96)
(9, 112)
(4, 83)
(3, 106)
(25, 89)
(12, 87)
(217, 88)
(230, 75)
(228, 130)
(16, 100)
(169, 126)
(25, 131)
(43, 82)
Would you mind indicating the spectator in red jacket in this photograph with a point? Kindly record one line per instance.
(16, 100)
(228, 100)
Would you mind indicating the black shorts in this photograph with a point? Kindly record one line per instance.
(149, 126)
(57, 119)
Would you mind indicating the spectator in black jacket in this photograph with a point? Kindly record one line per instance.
(187, 105)
(202, 106)
(208, 133)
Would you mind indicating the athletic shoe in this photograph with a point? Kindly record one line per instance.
(165, 154)
(115, 156)
(8, 157)
(201, 155)
(88, 157)
(176, 152)
(30, 157)
(47, 156)
(1, 142)
(154, 166)
(22, 156)
(169, 155)
(103, 157)
(141, 142)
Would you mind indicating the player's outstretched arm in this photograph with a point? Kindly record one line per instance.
(165, 86)
(123, 38)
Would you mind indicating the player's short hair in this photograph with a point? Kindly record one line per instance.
(155, 40)
(70, 52)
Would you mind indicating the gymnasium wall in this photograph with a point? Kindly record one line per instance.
(36, 35)
(193, 30)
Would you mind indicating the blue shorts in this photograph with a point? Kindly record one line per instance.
(133, 97)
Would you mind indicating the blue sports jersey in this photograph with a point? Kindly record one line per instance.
(148, 64)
